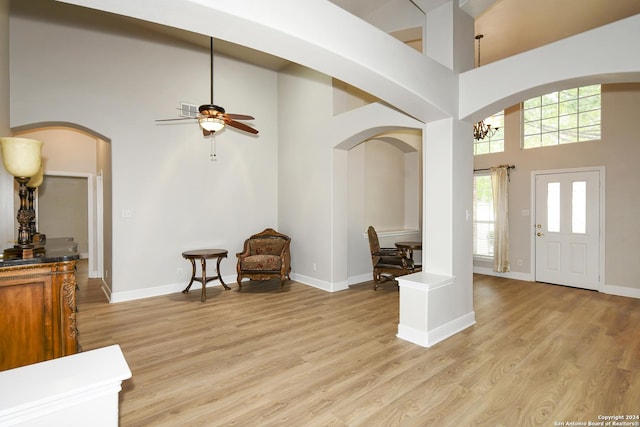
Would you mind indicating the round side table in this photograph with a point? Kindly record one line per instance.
(203, 255)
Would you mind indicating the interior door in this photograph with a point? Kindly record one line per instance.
(63, 209)
(567, 228)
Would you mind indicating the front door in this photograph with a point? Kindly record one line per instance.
(567, 228)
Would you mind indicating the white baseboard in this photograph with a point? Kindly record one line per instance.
(149, 292)
(156, 291)
(434, 336)
(320, 284)
(621, 291)
(413, 335)
(527, 277)
(178, 287)
(361, 278)
(451, 328)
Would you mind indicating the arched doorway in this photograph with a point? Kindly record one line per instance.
(385, 191)
(76, 159)
(351, 262)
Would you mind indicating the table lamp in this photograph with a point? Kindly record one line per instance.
(22, 158)
(32, 186)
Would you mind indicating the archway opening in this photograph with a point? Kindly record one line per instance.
(76, 192)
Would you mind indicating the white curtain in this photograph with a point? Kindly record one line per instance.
(500, 187)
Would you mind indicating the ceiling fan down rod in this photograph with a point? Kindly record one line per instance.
(211, 67)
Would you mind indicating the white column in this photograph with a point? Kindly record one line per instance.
(438, 302)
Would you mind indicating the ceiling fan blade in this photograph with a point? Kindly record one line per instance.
(206, 132)
(241, 126)
(239, 117)
(175, 119)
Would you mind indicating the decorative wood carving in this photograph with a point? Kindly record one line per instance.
(37, 312)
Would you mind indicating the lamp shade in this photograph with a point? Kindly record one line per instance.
(36, 179)
(211, 124)
(22, 157)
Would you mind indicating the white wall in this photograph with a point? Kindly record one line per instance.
(370, 185)
(154, 165)
(4, 68)
(616, 150)
(6, 181)
(304, 196)
(358, 247)
(384, 189)
(178, 198)
(323, 190)
(97, 75)
(372, 60)
(69, 159)
(562, 64)
(65, 149)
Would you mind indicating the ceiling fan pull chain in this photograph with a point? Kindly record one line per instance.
(213, 155)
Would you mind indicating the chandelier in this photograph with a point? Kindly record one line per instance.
(482, 129)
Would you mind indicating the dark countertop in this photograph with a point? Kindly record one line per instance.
(54, 254)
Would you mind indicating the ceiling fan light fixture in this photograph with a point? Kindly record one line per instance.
(213, 118)
(211, 124)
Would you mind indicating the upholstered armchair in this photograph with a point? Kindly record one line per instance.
(388, 263)
(265, 256)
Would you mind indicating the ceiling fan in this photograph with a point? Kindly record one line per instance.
(213, 118)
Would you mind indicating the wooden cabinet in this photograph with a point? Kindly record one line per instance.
(37, 311)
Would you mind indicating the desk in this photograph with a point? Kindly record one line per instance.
(203, 255)
(409, 247)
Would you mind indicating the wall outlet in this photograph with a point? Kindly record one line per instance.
(315, 267)
(519, 262)
(179, 272)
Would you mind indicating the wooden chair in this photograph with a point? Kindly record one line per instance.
(388, 263)
(265, 256)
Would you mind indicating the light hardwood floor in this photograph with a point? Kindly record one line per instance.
(539, 355)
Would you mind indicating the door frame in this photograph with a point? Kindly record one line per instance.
(94, 220)
(601, 174)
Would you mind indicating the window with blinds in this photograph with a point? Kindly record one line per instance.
(483, 218)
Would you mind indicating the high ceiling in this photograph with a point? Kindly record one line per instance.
(509, 26)
(514, 26)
